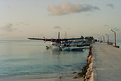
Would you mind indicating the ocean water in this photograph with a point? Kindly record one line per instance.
(119, 43)
(20, 58)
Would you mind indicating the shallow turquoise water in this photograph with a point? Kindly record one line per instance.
(31, 58)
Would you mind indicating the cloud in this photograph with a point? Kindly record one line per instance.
(67, 8)
(8, 28)
(57, 27)
(110, 5)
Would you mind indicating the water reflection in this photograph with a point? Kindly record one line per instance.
(32, 58)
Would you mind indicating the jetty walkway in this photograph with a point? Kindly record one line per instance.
(107, 62)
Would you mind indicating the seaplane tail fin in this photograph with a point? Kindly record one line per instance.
(58, 35)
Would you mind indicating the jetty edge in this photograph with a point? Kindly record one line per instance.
(87, 71)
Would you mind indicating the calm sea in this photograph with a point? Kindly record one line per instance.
(119, 43)
(19, 58)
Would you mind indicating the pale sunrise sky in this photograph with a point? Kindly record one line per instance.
(20, 19)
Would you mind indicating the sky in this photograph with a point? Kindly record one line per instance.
(21, 19)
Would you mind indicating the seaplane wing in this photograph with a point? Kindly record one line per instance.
(65, 39)
(41, 39)
(56, 40)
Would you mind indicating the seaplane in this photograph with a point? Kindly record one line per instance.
(66, 44)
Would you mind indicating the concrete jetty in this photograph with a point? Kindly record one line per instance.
(107, 62)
